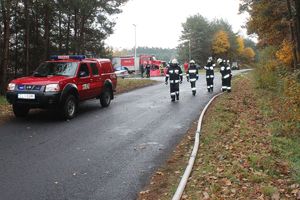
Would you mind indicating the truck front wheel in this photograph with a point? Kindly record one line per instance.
(105, 97)
(69, 107)
(20, 111)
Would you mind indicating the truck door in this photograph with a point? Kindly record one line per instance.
(84, 81)
(96, 81)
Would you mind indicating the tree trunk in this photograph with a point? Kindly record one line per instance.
(81, 40)
(6, 5)
(59, 32)
(75, 30)
(47, 31)
(26, 42)
(293, 37)
(68, 35)
(297, 31)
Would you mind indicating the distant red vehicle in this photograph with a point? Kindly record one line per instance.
(157, 66)
(61, 83)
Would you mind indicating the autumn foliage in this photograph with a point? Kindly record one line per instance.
(220, 44)
(285, 54)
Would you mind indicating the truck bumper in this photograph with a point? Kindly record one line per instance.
(34, 99)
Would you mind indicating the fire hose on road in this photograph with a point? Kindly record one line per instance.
(189, 167)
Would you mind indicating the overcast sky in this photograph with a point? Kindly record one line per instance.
(158, 22)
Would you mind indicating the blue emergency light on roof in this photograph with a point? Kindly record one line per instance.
(66, 57)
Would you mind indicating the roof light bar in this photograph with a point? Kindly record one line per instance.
(66, 57)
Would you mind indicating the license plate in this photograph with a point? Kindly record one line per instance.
(26, 96)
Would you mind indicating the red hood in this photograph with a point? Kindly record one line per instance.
(40, 80)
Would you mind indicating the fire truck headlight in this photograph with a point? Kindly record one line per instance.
(11, 86)
(52, 88)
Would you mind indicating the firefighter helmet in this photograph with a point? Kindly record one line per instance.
(219, 60)
(209, 59)
(192, 62)
(174, 61)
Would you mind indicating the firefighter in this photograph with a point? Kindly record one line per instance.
(148, 70)
(174, 73)
(142, 68)
(210, 74)
(192, 75)
(226, 75)
(229, 75)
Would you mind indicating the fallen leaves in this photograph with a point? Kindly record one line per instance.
(235, 159)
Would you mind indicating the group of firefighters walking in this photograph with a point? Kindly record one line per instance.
(174, 75)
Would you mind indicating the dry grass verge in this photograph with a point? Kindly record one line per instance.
(236, 159)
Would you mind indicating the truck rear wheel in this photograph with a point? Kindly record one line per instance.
(105, 97)
(20, 111)
(69, 108)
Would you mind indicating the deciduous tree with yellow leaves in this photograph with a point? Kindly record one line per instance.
(220, 43)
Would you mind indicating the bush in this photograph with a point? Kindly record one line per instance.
(285, 86)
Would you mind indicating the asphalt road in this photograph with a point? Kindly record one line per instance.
(104, 153)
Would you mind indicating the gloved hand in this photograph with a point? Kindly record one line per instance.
(166, 82)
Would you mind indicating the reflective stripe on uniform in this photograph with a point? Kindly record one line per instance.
(187, 75)
(176, 71)
(224, 87)
(211, 76)
(208, 87)
(228, 88)
(193, 89)
(176, 81)
(167, 75)
(222, 68)
(192, 71)
(173, 94)
(228, 68)
(226, 76)
(171, 71)
(211, 86)
(177, 92)
(207, 76)
(193, 79)
(211, 68)
(214, 65)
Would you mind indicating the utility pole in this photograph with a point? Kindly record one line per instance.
(134, 46)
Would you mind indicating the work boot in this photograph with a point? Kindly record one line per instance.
(194, 93)
(177, 96)
(208, 89)
(173, 98)
(211, 89)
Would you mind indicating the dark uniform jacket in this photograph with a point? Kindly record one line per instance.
(209, 70)
(174, 73)
(225, 71)
(192, 73)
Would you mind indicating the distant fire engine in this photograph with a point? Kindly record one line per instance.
(157, 66)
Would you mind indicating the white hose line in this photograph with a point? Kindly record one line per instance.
(188, 169)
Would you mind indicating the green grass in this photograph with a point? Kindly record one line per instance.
(3, 100)
(289, 149)
(125, 85)
(269, 190)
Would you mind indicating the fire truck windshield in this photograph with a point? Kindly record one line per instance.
(56, 69)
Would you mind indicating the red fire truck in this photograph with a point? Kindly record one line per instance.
(157, 66)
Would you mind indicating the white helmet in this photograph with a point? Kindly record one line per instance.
(228, 61)
(192, 62)
(219, 60)
(174, 61)
(209, 59)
